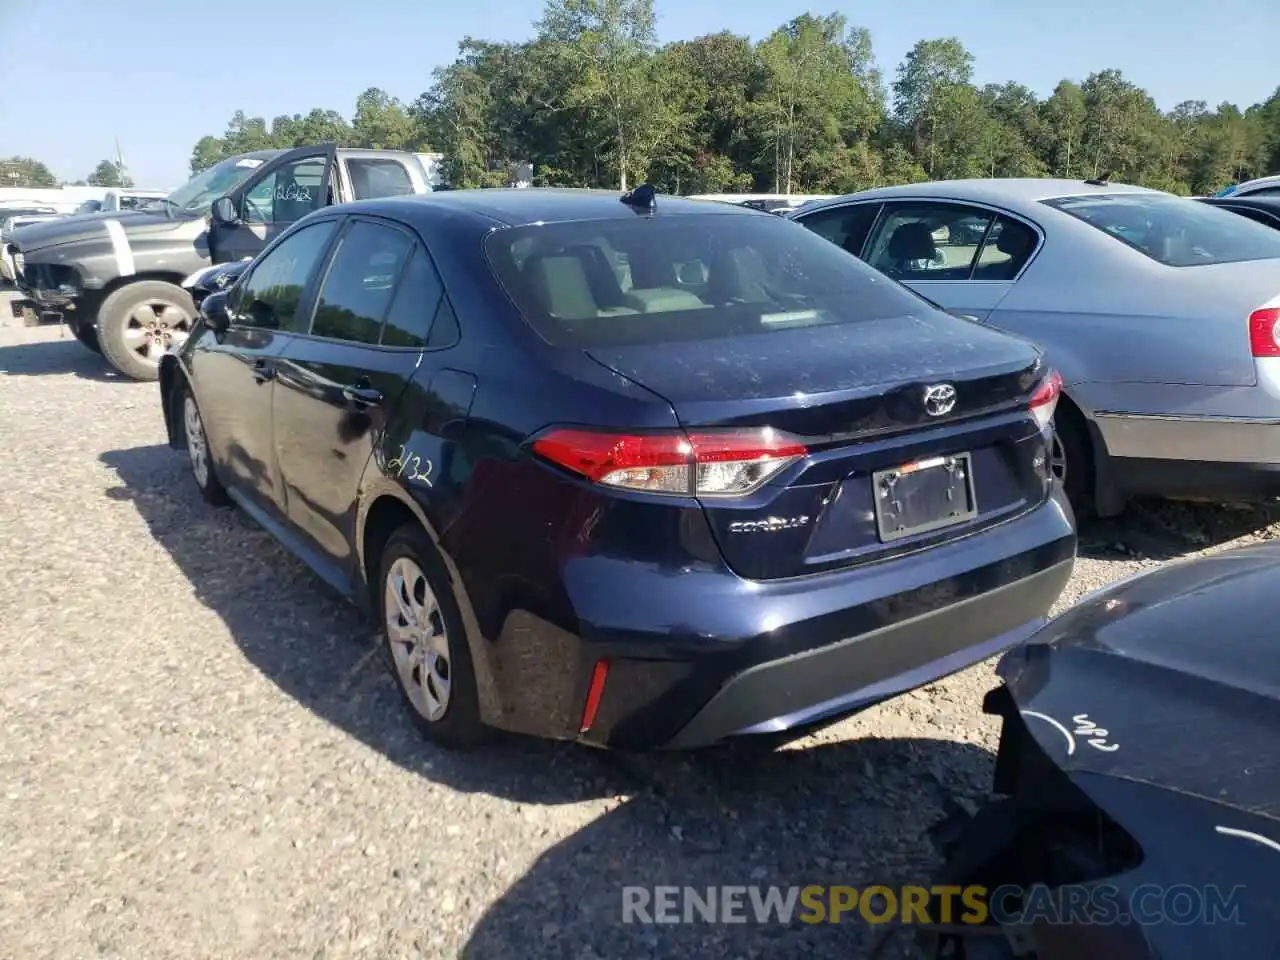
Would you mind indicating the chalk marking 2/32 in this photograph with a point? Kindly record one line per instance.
(1094, 735)
(407, 465)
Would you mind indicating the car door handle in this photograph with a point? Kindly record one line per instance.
(263, 371)
(361, 395)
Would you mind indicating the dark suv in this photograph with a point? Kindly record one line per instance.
(115, 278)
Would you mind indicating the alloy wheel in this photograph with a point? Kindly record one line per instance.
(153, 327)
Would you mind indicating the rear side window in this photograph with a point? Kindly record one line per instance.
(1006, 249)
(358, 288)
(652, 280)
(416, 302)
(1171, 230)
(378, 178)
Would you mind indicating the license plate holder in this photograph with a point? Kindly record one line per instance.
(924, 496)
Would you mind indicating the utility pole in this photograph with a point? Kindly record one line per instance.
(121, 174)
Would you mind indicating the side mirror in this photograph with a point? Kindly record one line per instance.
(224, 211)
(216, 313)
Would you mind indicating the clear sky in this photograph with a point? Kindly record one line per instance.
(159, 74)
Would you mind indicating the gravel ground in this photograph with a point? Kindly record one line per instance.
(202, 757)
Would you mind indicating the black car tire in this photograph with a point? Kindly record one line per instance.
(1072, 436)
(459, 726)
(87, 334)
(195, 438)
(115, 317)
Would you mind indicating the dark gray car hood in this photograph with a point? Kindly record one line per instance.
(92, 226)
(1170, 679)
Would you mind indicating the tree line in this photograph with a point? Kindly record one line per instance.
(593, 100)
(30, 173)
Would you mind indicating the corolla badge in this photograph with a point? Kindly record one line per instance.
(770, 525)
(939, 399)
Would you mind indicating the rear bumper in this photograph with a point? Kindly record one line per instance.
(796, 691)
(701, 656)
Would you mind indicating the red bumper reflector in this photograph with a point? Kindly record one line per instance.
(594, 693)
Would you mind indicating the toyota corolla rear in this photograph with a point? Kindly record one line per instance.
(786, 488)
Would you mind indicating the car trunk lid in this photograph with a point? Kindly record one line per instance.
(858, 397)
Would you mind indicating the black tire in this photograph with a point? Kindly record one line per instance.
(459, 724)
(195, 440)
(1074, 449)
(155, 309)
(86, 334)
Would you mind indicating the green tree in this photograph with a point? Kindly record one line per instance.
(383, 123)
(206, 152)
(25, 172)
(822, 93)
(926, 78)
(608, 46)
(109, 174)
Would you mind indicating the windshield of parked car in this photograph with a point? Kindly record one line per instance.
(1172, 230)
(198, 193)
(650, 280)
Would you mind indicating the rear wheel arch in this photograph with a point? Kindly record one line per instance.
(1098, 495)
(384, 512)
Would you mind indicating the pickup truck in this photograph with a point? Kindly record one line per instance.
(115, 278)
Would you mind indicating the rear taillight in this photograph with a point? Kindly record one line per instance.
(707, 464)
(1264, 332)
(1045, 400)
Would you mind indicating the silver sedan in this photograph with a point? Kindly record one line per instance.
(1162, 314)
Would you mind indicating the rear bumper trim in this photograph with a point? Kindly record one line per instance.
(806, 687)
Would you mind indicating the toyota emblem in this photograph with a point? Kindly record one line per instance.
(939, 399)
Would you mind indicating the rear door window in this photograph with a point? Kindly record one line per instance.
(634, 280)
(378, 178)
(1175, 231)
(847, 226)
(358, 289)
(928, 241)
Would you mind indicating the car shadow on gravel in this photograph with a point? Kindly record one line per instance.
(1166, 530)
(852, 813)
(51, 357)
(321, 651)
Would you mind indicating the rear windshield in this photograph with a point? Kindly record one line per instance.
(1172, 230)
(649, 280)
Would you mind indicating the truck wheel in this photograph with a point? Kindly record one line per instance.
(86, 334)
(139, 322)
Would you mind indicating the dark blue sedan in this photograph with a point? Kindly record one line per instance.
(637, 471)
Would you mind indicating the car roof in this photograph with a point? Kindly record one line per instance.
(515, 206)
(997, 191)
